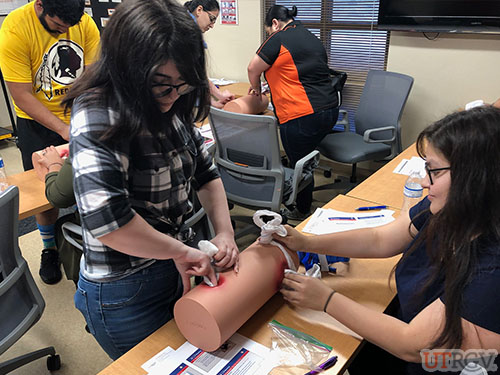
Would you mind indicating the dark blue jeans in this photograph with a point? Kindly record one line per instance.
(122, 313)
(302, 135)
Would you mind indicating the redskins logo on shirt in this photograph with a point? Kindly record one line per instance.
(63, 63)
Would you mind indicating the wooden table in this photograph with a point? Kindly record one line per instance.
(32, 198)
(385, 187)
(365, 281)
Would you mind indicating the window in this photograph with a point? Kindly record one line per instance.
(348, 31)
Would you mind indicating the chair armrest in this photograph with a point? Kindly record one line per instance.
(366, 135)
(343, 119)
(67, 229)
(312, 157)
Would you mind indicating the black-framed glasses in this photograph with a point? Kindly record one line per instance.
(211, 16)
(182, 89)
(431, 172)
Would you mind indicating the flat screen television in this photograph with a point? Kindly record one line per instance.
(440, 15)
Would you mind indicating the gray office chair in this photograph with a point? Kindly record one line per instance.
(377, 124)
(21, 304)
(249, 161)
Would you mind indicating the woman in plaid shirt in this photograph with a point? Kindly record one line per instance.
(136, 157)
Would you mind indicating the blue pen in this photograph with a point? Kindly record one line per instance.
(324, 366)
(370, 208)
(369, 217)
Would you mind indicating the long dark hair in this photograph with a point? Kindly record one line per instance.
(208, 5)
(141, 36)
(470, 142)
(281, 13)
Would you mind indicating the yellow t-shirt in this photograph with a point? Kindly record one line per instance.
(51, 63)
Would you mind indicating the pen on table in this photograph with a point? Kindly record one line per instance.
(324, 366)
(370, 208)
(400, 169)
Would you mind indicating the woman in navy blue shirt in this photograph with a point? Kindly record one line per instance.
(448, 276)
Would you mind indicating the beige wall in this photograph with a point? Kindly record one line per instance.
(231, 47)
(449, 72)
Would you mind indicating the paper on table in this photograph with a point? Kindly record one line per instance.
(407, 166)
(157, 360)
(222, 81)
(326, 220)
(238, 356)
(206, 132)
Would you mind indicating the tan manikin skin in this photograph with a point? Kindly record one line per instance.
(40, 170)
(208, 316)
(248, 104)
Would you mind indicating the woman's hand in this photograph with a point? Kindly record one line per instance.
(50, 158)
(194, 263)
(254, 92)
(305, 291)
(228, 254)
(226, 96)
(294, 240)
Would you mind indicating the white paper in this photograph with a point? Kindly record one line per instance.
(326, 220)
(158, 359)
(206, 132)
(222, 81)
(407, 166)
(238, 356)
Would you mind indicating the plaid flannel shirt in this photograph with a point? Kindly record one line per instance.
(146, 175)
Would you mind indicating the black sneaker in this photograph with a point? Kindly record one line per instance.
(295, 215)
(50, 269)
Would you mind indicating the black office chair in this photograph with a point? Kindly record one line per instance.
(377, 124)
(21, 304)
(249, 161)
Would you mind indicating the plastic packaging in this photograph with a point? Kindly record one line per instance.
(412, 192)
(292, 348)
(3, 176)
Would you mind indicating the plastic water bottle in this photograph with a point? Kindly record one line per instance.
(412, 192)
(3, 176)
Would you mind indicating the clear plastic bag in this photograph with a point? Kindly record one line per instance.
(292, 348)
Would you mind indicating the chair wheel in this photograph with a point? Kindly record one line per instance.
(54, 362)
(327, 174)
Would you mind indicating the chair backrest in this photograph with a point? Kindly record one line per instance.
(21, 304)
(248, 158)
(382, 102)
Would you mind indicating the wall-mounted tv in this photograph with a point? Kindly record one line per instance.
(440, 15)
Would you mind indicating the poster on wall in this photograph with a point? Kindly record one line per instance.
(100, 10)
(229, 12)
(6, 6)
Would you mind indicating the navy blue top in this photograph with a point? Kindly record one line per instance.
(481, 300)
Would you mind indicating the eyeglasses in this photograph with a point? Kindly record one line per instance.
(431, 172)
(211, 17)
(182, 89)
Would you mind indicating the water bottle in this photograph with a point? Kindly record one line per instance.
(412, 192)
(3, 176)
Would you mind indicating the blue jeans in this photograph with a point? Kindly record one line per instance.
(121, 313)
(302, 135)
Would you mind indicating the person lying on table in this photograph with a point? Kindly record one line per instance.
(136, 157)
(448, 276)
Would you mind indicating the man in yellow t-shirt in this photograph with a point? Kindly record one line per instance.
(44, 47)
